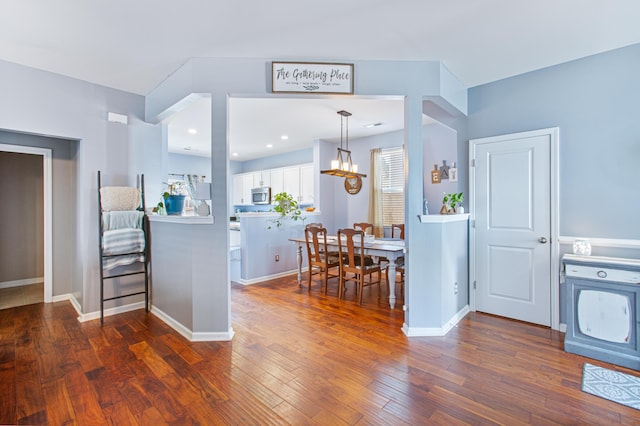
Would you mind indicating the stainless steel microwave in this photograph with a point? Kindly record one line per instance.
(261, 195)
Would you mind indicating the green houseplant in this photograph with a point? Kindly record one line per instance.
(287, 207)
(173, 199)
(450, 202)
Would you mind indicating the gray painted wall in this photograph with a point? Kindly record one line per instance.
(292, 158)
(42, 103)
(190, 164)
(414, 81)
(594, 102)
(439, 142)
(21, 210)
(64, 204)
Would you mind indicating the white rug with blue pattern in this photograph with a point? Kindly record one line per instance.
(612, 385)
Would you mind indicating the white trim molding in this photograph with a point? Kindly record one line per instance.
(603, 242)
(47, 178)
(554, 210)
(436, 331)
(190, 335)
(111, 311)
(269, 277)
(20, 283)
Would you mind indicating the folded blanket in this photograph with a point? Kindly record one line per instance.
(119, 198)
(121, 220)
(122, 241)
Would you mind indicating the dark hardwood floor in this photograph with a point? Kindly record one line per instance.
(296, 358)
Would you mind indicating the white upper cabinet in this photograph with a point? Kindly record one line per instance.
(237, 190)
(276, 181)
(307, 186)
(292, 181)
(242, 184)
(295, 180)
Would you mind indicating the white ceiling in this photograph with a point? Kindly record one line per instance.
(133, 46)
(256, 123)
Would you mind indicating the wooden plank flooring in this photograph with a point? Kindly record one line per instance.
(298, 358)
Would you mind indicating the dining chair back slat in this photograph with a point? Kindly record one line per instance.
(397, 231)
(354, 265)
(321, 260)
(364, 226)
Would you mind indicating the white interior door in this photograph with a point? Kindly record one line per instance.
(511, 209)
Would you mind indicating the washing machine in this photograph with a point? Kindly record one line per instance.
(603, 308)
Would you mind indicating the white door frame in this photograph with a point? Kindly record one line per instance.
(554, 170)
(48, 224)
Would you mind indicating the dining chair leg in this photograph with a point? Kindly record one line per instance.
(325, 274)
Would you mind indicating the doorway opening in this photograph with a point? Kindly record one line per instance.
(46, 155)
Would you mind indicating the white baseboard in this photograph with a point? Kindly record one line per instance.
(436, 331)
(269, 277)
(111, 311)
(19, 283)
(190, 335)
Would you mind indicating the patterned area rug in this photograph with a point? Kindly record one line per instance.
(612, 385)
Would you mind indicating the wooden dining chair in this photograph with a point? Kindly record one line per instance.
(354, 265)
(368, 229)
(321, 260)
(397, 229)
(364, 226)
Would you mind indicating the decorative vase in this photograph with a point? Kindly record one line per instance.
(174, 204)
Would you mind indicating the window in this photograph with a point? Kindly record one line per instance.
(392, 176)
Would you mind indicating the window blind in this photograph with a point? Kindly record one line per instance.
(392, 169)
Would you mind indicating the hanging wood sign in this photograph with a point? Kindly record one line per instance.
(311, 77)
(353, 184)
(435, 174)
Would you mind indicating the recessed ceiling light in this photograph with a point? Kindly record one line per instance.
(192, 131)
(269, 146)
(368, 126)
(284, 137)
(235, 154)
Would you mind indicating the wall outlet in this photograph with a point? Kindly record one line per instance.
(277, 258)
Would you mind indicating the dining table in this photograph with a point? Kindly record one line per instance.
(390, 248)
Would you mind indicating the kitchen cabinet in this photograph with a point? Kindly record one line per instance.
(291, 184)
(242, 184)
(307, 186)
(276, 181)
(262, 178)
(296, 180)
(299, 182)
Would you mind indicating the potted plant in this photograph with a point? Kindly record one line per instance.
(450, 202)
(173, 199)
(284, 204)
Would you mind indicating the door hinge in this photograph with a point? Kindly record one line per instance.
(472, 223)
(473, 162)
(474, 285)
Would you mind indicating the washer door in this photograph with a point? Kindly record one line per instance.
(604, 315)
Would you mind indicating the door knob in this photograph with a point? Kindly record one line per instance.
(542, 240)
